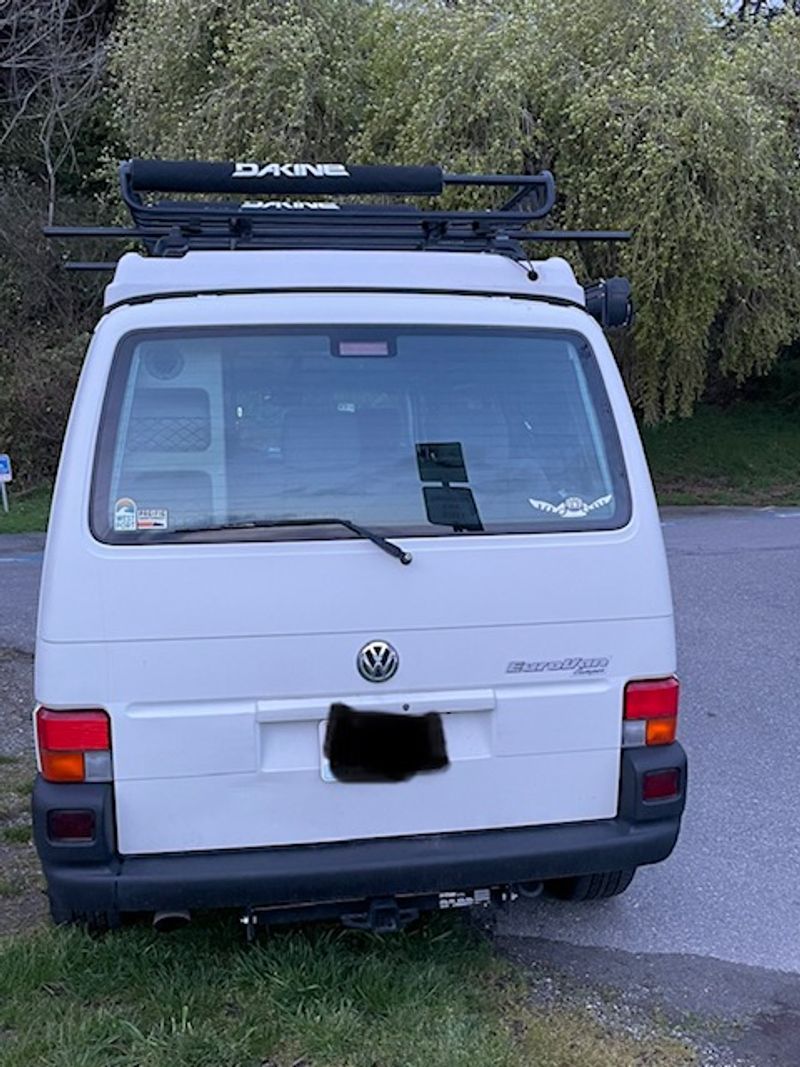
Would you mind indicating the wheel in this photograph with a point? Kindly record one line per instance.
(590, 886)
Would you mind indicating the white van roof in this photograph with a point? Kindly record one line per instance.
(138, 276)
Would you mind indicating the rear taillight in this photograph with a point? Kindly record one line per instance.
(650, 712)
(74, 746)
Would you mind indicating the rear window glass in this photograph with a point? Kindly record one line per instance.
(416, 432)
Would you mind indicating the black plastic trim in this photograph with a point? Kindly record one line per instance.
(81, 882)
(636, 762)
(179, 294)
(86, 796)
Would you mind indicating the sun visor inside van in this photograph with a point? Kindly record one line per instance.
(177, 176)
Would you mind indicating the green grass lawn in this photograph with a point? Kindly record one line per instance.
(27, 512)
(745, 455)
(434, 997)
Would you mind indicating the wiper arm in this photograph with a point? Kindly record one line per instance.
(259, 524)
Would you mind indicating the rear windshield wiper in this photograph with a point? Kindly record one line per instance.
(262, 524)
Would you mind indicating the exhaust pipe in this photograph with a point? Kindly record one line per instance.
(530, 890)
(166, 921)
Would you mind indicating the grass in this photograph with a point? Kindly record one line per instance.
(11, 887)
(28, 511)
(17, 835)
(433, 997)
(747, 454)
(21, 900)
(16, 783)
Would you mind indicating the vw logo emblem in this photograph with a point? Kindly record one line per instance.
(378, 661)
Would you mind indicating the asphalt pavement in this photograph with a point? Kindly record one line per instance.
(717, 926)
(20, 568)
(731, 889)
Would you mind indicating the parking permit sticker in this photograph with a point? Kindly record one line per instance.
(152, 519)
(125, 515)
(574, 507)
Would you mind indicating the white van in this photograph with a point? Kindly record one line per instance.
(355, 600)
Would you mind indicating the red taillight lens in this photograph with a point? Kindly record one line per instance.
(651, 712)
(74, 746)
(72, 731)
(70, 825)
(661, 785)
(652, 700)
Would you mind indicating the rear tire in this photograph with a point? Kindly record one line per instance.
(590, 886)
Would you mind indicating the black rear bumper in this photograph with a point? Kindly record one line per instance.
(94, 878)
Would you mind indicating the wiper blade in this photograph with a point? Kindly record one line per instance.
(261, 524)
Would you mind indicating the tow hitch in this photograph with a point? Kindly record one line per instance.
(384, 916)
(380, 915)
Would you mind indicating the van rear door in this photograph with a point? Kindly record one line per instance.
(489, 453)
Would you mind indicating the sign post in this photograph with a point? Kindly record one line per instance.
(6, 475)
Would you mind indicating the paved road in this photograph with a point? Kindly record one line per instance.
(717, 925)
(731, 889)
(20, 566)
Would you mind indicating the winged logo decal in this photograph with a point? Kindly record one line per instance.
(574, 507)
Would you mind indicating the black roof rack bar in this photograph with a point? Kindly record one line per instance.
(508, 243)
(79, 265)
(315, 233)
(174, 227)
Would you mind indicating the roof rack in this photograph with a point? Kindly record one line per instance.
(286, 220)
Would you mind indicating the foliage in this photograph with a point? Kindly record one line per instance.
(679, 121)
(47, 316)
(52, 56)
(650, 115)
(52, 121)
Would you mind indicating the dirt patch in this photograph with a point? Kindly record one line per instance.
(22, 900)
(773, 1037)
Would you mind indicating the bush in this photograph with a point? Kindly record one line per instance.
(47, 314)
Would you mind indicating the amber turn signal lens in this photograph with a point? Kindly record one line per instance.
(62, 766)
(660, 731)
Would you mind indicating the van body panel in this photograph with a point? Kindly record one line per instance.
(218, 662)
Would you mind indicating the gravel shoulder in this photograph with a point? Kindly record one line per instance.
(16, 701)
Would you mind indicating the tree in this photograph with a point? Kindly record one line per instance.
(52, 55)
(646, 112)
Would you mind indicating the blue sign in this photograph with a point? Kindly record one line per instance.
(5, 468)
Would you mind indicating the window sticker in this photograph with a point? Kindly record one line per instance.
(125, 515)
(574, 507)
(152, 519)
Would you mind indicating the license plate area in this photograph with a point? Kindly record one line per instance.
(378, 746)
